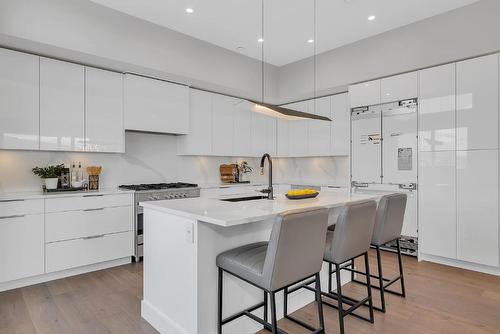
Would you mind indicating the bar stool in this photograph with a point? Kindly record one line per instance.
(388, 226)
(349, 240)
(294, 253)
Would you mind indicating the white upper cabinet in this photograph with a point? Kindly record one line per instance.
(399, 87)
(437, 215)
(320, 131)
(477, 103)
(19, 103)
(271, 144)
(104, 130)
(259, 134)
(299, 132)
(477, 206)
(340, 125)
(199, 140)
(243, 130)
(437, 108)
(283, 138)
(62, 122)
(365, 94)
(223, 125)
(156, 106)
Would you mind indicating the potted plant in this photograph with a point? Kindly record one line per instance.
(49, 174)
(243, 168)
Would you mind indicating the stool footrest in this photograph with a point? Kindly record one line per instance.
(242, 313)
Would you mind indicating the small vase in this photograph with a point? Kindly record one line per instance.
(51, 183)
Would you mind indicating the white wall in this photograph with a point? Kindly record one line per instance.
(152, 158)
(465, 32)
(83, 31)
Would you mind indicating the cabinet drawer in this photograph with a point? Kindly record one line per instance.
(21, 247)
(86, 202)
(86, 223)
(20, 207)
(81, 252)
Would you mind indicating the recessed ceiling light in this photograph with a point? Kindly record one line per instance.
(260, 40)
(310, 40)
(189, 10)
(371, 17)
(241, 48)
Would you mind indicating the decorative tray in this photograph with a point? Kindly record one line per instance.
(302, 196)
(64, 190)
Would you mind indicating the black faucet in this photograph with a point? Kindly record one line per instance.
(269, 190)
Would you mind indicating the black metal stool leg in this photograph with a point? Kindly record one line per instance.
(330, 267)
(339, 294)
(320, 304)
(401, 274)
(274, 321)
(352, 272)
(380, 279)
(369, 288)
(219, 303)
(285, 302)
(265, 306)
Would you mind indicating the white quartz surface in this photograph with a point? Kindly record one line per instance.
(222, 213)
(7, 196)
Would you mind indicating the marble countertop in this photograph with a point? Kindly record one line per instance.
(222, 213)
(8, 196)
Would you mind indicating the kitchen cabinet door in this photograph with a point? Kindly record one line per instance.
(19, 103)
(319, 131)
(477, 103)
(259, 134)
(222, 125)
(21, 246)
(299, 132)
(283, 138)
(243, 129)
(399, 87)
(364, 94)
(156, 106)
(199, 139)
(104, 129)
(340, 125)
(437, 231)
(62, 120)
(437, 108)
(477, 206)
(271, 144)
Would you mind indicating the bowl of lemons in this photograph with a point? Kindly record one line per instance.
(301, 193)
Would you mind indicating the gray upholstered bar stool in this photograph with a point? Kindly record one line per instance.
(349, 239)
(293, 253)
(388, 226)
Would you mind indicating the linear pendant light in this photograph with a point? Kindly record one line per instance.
(278, 111)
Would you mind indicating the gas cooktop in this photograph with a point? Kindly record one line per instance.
(158, 186)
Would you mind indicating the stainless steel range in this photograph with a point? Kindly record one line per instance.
(156, 192)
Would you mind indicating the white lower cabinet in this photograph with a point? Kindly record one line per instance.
(437, 204)
(477, 206)
(89, 250)
(21, 246)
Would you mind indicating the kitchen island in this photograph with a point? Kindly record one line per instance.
(182, 239)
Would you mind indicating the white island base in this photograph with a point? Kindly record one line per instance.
(180, 272)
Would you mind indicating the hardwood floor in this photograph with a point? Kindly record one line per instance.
(440, 300)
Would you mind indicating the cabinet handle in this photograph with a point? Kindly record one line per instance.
(98, 209)
(97, 195)
(94, 237)
(11, 200)
(13, 216)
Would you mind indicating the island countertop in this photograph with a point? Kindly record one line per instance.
(222, 213)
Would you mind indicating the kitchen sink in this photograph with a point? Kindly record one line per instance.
(242, 199)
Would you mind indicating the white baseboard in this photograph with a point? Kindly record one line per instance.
(460, 264)
(62, 274)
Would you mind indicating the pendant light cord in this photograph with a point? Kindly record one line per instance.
(314, 59)
(262, 51)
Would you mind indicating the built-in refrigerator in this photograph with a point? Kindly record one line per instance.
(384, 158)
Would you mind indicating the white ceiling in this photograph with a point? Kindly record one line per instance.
(288, 23)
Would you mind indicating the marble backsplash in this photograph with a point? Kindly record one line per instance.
(152, 158)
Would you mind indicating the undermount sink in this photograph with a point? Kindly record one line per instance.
(242, 199)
